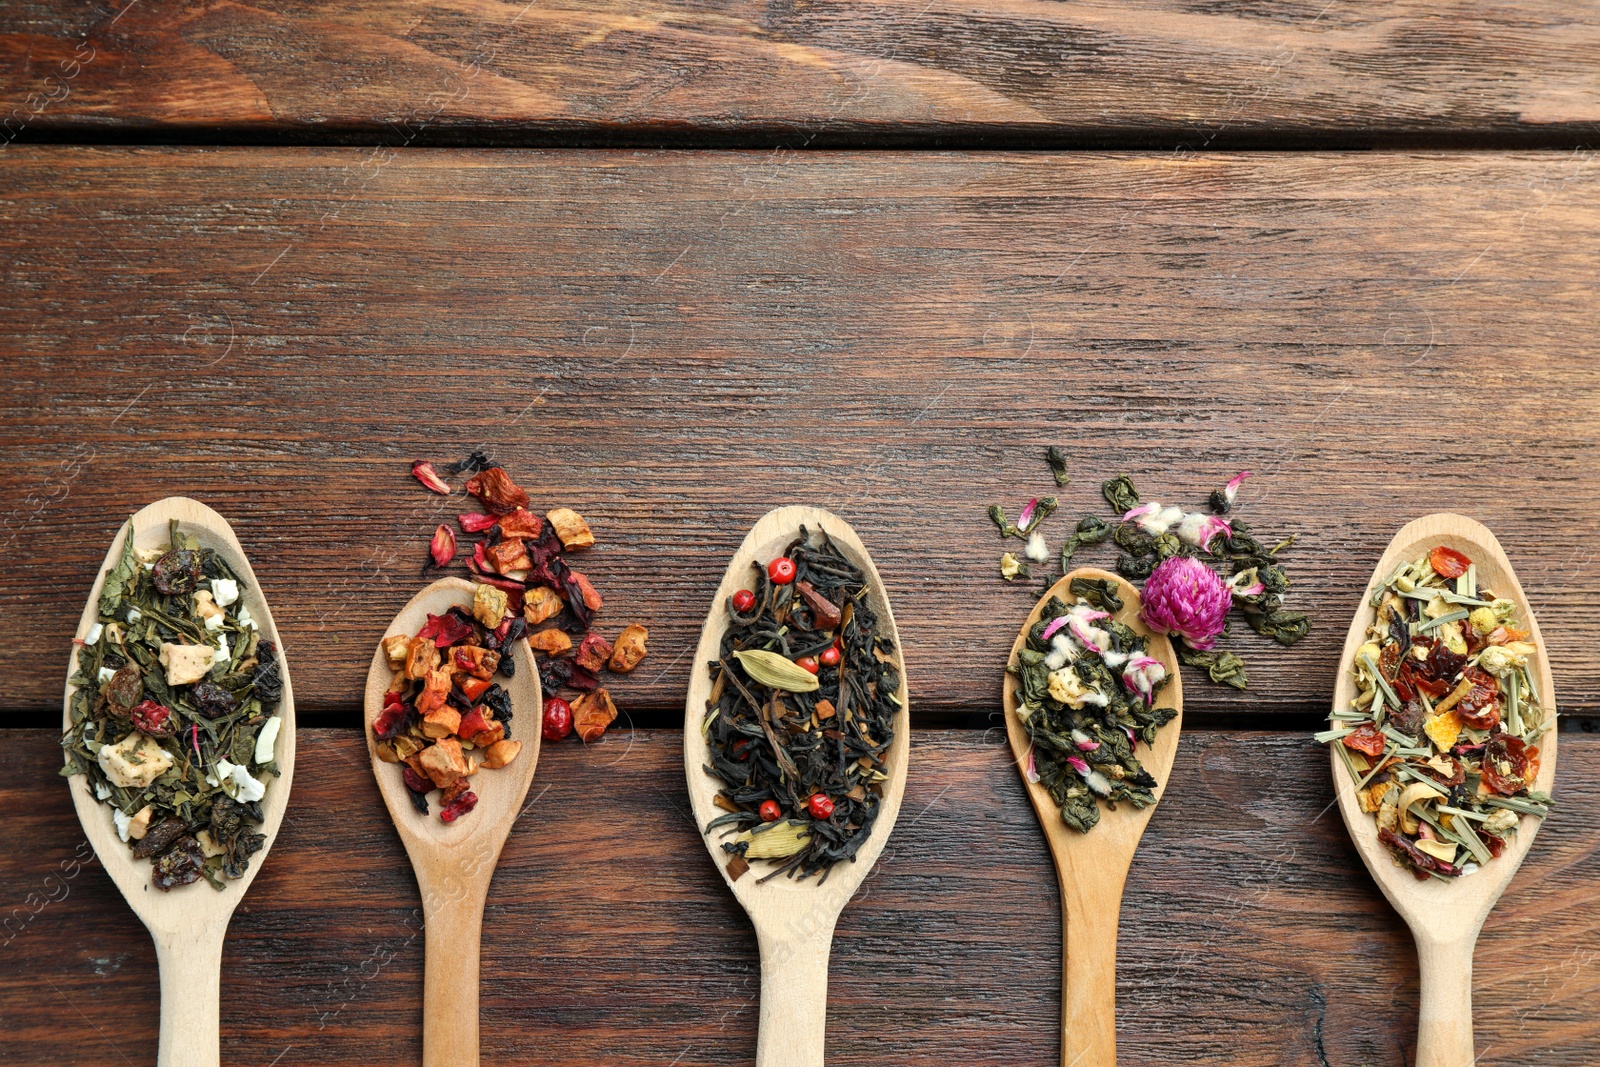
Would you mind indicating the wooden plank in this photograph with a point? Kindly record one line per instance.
(675, 342)
(1017, 72)
(1251, 934)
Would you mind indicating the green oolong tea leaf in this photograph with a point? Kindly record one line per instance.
(1101, 592)
(1120, 494)
(1224, 668)
(1058, 464)
(776, 671)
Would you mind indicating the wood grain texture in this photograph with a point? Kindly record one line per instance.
(1250, 937)
(1017, 72)
(673, 343)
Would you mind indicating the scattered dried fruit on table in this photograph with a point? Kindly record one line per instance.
(1440, 737)
(525, 588)
(497, 491)
(779, 736)
(174, 711)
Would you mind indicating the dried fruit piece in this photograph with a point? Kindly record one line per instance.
(557, 719)
(629, 649)
(571, 528)
(153, 720)
(1367, 739)
(593, 652)
(488, 604)
(423, 472)
(443, 546)
(123, 691)
(520, 523)
(501, 753)
(540, 604)
(459, 806)
(497, 491)
(592, 713)
(213, 701)
(177, 573)
(550, 642)
(1447, 562)
(179, 865)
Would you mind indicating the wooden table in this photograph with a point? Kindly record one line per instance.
(623, 267)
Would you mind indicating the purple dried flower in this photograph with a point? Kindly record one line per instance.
(1183, 596)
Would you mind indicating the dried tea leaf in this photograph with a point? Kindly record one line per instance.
(1101, 592)
(1120, 494)
(1058, 464)
(1223, 667)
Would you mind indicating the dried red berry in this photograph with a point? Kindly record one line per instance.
(497, 491)
(423, 472)
(459, 807)
(414, 781)
(557, 719)
(443, 546)
(819, 806)
(154, 720)
(743, 601)
(476, 521)
(770, 812)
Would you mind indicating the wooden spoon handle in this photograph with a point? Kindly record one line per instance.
(1444, 1029)
(1090, 909)
(794, 997)
(452, 916)
(190, 962)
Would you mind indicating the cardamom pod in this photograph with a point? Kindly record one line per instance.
(777, 841)
(776, 671)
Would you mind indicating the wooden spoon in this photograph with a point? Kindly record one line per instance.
(794, 919)
(1444, 917)
(455, 861)
(1092, 867)
(189, 923)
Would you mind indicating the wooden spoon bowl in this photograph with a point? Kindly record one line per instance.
(1444, 916)
(1092, 868)
(794, 919)
(189, 923)
(454, 862)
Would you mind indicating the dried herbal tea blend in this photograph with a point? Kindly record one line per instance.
(801, 715)
(1085, 692)
(1195, 567)
(443, 716)
(174, 711)
(524, 557)
(1440, 739)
